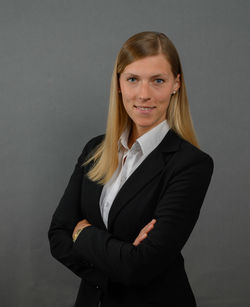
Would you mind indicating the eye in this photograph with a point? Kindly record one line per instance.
(131, 79)
(159, 81)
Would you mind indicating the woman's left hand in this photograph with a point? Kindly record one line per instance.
(80, 225)
(144, 232)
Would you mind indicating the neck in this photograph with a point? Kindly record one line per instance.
(135, 133)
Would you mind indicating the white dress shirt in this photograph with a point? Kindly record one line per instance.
(128, 161)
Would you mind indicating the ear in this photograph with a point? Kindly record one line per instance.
(177, 83)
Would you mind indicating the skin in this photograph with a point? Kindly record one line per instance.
(147, 83)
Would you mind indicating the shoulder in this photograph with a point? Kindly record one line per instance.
(189, 155)
(95, 141)
(90, 146)
(193, 153)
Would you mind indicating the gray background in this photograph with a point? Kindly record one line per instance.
(56, 59)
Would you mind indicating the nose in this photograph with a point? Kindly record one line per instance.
(144, 92)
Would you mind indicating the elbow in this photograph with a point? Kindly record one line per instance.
(58, 246)
(54, 250)
(52, 244)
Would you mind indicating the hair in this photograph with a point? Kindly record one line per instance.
(138, 46)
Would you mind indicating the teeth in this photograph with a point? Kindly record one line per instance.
(144, 108)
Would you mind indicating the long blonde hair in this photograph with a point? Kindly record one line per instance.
(140, 45)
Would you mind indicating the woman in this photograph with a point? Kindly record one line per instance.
(135, 194)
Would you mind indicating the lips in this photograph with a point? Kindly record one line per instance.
(144, 108)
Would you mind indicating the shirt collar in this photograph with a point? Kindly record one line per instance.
(148, 141)
(123, 141)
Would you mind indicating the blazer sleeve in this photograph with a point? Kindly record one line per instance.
(176, 214)
(64, 220)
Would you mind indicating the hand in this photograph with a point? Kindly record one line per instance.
(80, 225)
(144, 232)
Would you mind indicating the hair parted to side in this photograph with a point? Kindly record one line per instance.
(138, 46)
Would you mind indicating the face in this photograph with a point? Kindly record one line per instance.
(146, 87)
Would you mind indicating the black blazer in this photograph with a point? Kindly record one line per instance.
(170, 186)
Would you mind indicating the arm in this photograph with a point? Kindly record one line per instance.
(66, 216)
(176, 213)
(141, 236)
(65, 222)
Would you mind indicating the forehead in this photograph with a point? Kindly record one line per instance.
(152, 65)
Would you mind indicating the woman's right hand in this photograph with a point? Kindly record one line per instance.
(144, 232)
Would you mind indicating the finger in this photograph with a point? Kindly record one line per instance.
(136, 242)
(146, 229)
(151, 223)
(143, 233)
(83, 222)
(139, 239)
(150, 227)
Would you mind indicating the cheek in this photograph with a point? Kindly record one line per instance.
(128, 105)
(125, 100)
(163, 98)
(127, 96)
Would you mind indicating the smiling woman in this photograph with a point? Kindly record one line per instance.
(151, 48)
(146, 87)
(136, 192)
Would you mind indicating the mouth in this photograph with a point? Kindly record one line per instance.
(144, 108)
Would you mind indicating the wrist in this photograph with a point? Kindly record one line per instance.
(76, 234)
(78, 231)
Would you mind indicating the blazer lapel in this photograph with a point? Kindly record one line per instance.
(146, 171)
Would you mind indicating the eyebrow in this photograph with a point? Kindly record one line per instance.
(153, 76)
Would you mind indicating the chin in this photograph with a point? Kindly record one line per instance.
(145, 125)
